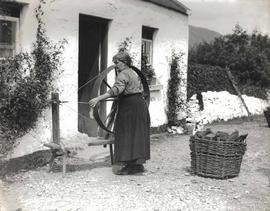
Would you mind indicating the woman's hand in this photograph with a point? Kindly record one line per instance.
(93, 102)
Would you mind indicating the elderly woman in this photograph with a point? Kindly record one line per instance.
(132, 135)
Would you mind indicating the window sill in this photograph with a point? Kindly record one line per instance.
(156, 87)
(23, 1)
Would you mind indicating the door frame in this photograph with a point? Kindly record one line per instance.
(103, 56)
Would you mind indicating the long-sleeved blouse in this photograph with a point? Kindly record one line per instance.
(126, 82)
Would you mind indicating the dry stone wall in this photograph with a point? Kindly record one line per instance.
(223, 106)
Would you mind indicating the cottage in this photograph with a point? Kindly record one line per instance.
(94, 30)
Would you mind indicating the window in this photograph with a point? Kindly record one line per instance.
(147, 44)
(9, 26)
(147, 53)
(8, 31)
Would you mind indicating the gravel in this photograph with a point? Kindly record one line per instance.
(167, 185)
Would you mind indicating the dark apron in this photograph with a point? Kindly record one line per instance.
(132, 129)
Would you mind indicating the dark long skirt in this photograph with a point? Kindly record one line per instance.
(132, 129)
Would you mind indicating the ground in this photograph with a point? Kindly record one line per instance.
(167, 185)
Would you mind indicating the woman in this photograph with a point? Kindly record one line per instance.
(132, 135)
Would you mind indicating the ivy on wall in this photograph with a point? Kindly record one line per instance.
(176, 96)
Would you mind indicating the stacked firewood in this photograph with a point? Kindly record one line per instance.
(220, 136)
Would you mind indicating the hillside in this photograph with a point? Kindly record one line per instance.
(199, 34)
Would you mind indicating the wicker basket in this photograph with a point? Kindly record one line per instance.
(217, 159)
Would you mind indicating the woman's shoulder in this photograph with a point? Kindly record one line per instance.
(128, 70)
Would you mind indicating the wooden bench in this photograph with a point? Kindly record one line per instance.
(58, 150)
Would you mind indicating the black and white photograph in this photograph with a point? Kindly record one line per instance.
(135, 105)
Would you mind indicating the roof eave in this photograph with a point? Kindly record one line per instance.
(184, 10)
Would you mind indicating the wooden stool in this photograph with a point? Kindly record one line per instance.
(57, 150)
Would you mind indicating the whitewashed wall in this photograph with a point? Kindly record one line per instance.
(128, 16)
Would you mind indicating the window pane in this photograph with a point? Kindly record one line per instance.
(147, 51)
(10, 9)
(147, 54)
(5, 52)
(7, 37)
(147, 32)
(7, 29)
(147, 44)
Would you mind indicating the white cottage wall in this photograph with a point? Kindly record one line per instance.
(127, 17)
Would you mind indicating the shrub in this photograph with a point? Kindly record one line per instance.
(203, 78)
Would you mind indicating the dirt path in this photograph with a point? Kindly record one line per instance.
(7, 200)
(167, 185)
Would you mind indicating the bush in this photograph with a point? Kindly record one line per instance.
(256, 91)
(203, 78)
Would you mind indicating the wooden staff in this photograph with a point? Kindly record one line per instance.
(230, 76)
(55, 118)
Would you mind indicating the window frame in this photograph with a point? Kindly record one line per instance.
(148, 39)
(17, 27)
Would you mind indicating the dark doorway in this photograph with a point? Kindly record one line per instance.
(92, 60)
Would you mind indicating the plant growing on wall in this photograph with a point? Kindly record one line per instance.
(147, 69)
(176, 95)
(26, 81)
(126, 45)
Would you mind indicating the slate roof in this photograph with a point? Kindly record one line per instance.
(171, 4)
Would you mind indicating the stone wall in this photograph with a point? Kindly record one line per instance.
(224, 106)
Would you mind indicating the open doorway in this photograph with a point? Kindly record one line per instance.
(92, 59)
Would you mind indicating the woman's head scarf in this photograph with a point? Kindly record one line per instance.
(122, 56)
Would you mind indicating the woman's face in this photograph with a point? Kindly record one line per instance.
(120, 66)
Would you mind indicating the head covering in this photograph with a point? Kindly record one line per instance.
(122, 56)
